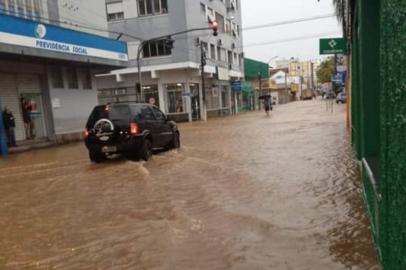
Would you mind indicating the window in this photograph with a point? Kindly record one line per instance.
(223, 55)
(210, 12)
(205, 46)
(220, 21)
(147, 113)
(2, 6)
(20, 7)
(212, 98)
(158, 114)
(151, 94)
(152, 7)
(235, 58)
(37, 9)
(219, 53)
(86, 79)
(72, 77)
(56, 77)
(230, 57)
(212, 51)
(28, 8)
(156, 48)
(175, 99)
(203, 8)
(115, 16)
(11, 6)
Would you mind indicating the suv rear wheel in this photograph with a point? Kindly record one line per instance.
(96, 157)
(146, 150)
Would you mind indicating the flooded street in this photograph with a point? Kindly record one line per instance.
(245, 192)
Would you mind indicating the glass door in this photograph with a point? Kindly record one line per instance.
(36, 113)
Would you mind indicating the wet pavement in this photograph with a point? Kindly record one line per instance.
(245, 192)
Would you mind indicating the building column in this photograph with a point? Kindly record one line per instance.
(161, 95)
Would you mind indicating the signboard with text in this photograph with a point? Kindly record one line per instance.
(333, 46)
(28, 33)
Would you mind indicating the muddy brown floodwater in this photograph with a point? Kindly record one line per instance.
(245, 192)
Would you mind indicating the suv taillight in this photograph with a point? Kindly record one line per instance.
(134, 129)
(86, 133)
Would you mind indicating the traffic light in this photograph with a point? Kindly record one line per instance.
(214, 25)
(169, 43)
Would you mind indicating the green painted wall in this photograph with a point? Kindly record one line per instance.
(378, 111)
(393, 123)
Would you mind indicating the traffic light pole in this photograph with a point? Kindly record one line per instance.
(203, 113)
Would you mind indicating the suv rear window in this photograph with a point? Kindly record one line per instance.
(118, 114)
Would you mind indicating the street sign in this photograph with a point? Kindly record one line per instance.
(339, 77)
(236, 86)
(333, 46)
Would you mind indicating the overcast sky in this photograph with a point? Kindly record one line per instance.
(259, 12)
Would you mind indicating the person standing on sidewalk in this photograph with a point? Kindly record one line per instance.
(9, 126)
(26, 110)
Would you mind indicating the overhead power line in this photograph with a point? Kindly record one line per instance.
(291, 39)
(254, 27)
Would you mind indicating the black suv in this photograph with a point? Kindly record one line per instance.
(130, 129)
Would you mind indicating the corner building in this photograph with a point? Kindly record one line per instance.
(172, 76)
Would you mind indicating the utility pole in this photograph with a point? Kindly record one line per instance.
(203, 57)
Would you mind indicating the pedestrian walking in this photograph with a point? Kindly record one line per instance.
(9, 126)
(26, 110)
(268, 104)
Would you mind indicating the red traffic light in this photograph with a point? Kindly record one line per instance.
(214, 25)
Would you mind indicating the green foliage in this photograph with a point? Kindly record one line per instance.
(325, 71)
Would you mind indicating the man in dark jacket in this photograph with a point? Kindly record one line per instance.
(9, 125)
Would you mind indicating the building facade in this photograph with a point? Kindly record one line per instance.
(172, 76)
(376, 34)
(47, 71)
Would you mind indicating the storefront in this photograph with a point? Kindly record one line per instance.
(47, 75)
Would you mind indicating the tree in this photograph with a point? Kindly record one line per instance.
(325, 71)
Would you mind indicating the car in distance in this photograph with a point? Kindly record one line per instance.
(130, 129)
(341, 98)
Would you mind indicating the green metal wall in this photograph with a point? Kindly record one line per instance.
(378, 111)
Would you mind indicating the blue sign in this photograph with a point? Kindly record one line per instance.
(340, 77)
(236, 86)
(28, 33)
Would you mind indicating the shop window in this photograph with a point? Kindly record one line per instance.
(72, 77)
(175, 99)
(87, 79)
(56, 77)
(156, 48)
(152, 7)
(151, 94)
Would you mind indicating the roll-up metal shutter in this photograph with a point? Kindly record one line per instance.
(9, 97)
